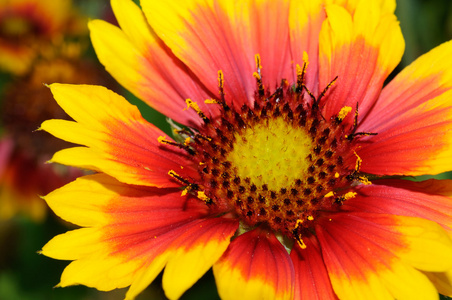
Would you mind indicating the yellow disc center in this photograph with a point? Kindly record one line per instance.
(272, 153)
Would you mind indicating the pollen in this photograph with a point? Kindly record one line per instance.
(271, 153)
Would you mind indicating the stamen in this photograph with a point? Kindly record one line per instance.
(343, 113)
(359, 160)
(258, 76)
(260, 86)
(195, 107)
(164, 140)
(211, 101)
(300, 77)
(221, 86)
(355, 126)
(257, 58)
(327, 88)
(341, 199)
(329, 194)
(297, 236)
(182, 180)
(202, 196)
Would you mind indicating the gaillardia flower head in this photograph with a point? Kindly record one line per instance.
(285, 175)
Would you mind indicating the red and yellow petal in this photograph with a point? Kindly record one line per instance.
(142, 63)
(118, 140)
(199, 33)
(255, 266)
(413, 120)
(209, 36)
(378, 255)
(442, 281)
(429, 200)
(305, 21)
(257, 26)
(197, 249)
(134, 232)
(360, 44)
(311, 275)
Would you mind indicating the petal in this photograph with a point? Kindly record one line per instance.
(305, 21)
(119, 141)
(442, 282)
(413, 120)
(257, 26)
(255, 266)
(198, 248)
(374, 256)
(140, 61)
(311, 276)
(361, 47)
(428, 200)
(139, 231)
(209, 36)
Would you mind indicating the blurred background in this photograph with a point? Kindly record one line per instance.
(46, 41)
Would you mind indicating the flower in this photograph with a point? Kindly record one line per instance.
(29, 28)
(26, 102)
(287, 173)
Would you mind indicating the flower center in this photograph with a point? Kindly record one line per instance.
(278, 164)
(271, 153)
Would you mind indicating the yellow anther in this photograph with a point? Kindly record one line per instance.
(310, 218)
(173, 174)
(191, 104)
(364, 180)
(300, 78)
(301, 243)
(203, 197)
(257, 58)
(299, 70)
(195, 107)
(220, 80)
(349, 195)
(179, 178)
(330, 194)
(257, 76)
(201, 163)
(162, 140)
(211, 101)
(187, 141)
(343, 112)
(336, 175)
(185, 191)
(359, 160)
(305, 58)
